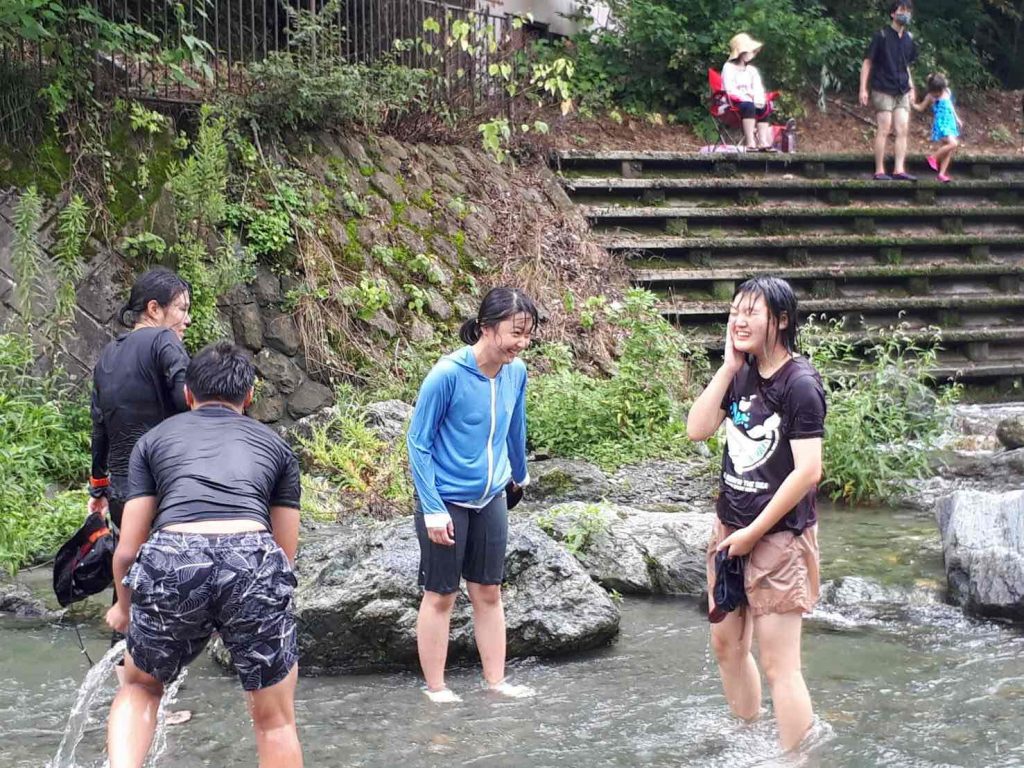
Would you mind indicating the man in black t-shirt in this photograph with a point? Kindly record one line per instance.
(886, 69)
(208, 537)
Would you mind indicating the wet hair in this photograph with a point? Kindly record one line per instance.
(937, 82)
(780, 300)
(221, 371)
(160, 285)
(499, 304)
(895, 5)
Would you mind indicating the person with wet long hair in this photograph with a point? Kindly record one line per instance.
(765, 537)
(138, 382)
(467, 446)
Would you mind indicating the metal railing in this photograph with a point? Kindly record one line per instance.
(231, 34)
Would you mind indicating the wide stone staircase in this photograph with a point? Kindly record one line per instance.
(873, 253)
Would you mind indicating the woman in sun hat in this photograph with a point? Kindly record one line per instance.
(742, 82)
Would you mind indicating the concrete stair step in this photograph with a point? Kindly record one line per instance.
(702, 192)
(791, 220)
(940, 268)
(828, 246)
(809, 165)
(863, 304)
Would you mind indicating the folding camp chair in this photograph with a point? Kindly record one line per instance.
(725, 110)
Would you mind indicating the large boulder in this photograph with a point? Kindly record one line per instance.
(18, 600)
(983, 549)
(1011, 432)
(357, 600)
(634, 551)
(665, 485)
(557, 480)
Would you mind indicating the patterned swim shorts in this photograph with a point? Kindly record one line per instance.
(186, 586)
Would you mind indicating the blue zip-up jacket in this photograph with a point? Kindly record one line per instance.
(467, 437)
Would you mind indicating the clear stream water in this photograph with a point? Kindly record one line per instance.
(898, 679)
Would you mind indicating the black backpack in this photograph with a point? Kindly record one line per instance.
(84, 565)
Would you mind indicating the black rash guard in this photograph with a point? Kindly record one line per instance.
(213, 463)
(137, 383)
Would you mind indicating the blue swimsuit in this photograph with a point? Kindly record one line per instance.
(944, 122)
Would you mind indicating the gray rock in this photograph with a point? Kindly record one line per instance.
(634, 551)
(279, 370)
(266, 287)
(283, 334)
(269, 406)
(983, 549)
(100, 293)
(1011, 432)
(388, 419)
(18, 600)
(436, 304)
(388, 187)
(559, 480)
(665, 485)
(309, 397)
(417, 217)
(247, 324)
(357, 600)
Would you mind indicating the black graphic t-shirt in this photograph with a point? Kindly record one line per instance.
(761, 417)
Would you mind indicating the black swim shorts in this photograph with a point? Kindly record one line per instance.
(479, 552)
(186, 586)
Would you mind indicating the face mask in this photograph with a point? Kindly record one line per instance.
(903, 18)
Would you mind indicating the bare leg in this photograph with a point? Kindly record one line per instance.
(273, 719)
(778, 642)
(764, 135)
(432, 636)
(884, 120)
(132, 721)
(901, 124)
(489, 629)
(950, 144)
(748, 132)
(731, 641)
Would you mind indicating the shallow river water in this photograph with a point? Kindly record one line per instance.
(898, 678)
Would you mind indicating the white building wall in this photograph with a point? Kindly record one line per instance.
(553, 13)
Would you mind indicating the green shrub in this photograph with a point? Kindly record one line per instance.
(583, 526)
(44, 447)
(308, 85)
(351, 454)
(884, 415)
(639, 412)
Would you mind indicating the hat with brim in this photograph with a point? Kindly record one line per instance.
(744, 43)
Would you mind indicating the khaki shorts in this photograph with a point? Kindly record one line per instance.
(884, 102)
(781, 573)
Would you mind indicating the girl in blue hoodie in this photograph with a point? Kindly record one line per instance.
(467, 443)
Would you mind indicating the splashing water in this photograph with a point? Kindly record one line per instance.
(97, 681)
(90, 688)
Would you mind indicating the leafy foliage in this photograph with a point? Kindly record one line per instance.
(44, 444)
(307, 85)
(884, 415)
(583, 525)
(637, 413)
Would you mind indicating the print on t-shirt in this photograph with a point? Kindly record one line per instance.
(750, 445)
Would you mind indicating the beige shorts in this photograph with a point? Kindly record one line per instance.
(884, 102)
(781, 574)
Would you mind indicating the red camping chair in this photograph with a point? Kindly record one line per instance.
(725, 109)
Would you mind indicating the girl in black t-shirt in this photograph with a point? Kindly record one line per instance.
(773, 404)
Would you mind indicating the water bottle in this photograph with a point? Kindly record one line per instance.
(789, 136)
